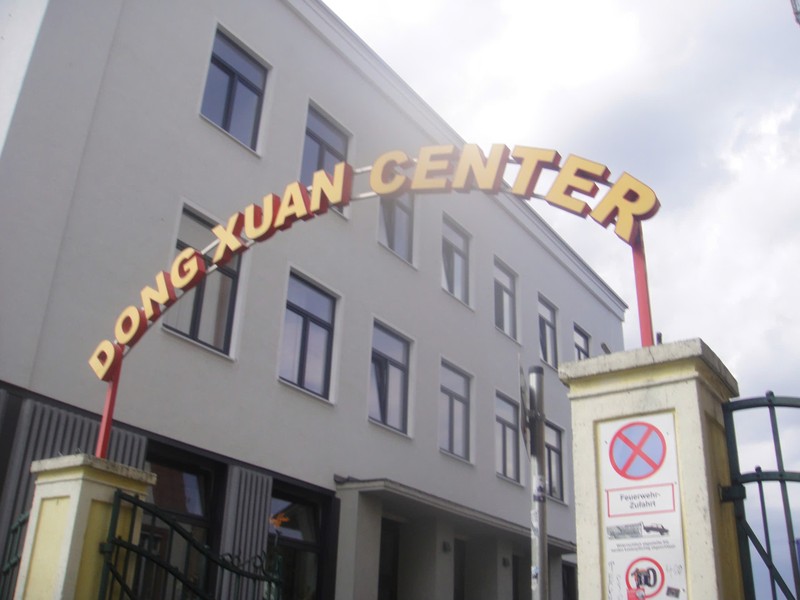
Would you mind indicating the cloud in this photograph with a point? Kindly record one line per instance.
(698, 100)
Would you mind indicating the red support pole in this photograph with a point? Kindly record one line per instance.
(642, 290)
(104, 437)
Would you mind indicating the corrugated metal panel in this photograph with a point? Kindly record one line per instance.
(45, 431)
(245, 527)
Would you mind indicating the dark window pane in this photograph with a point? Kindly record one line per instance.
(310, 161)
(324, 147)
(308, 331)
(389, 380)
(194, 232)
(506, 410)
(240, 62)
(233, 92)
(454, 381)
(179, 316)
(375, 411)
(214, 315)
(205, 313)
(316, 367)
(329, 162)
(511, 455)
(293, 520)
(215, 96)
(459, 426)
(389, 345)
(402, 234)
(499, 457)
(329, 134)
(290, 350)
(444, 421)
(310, 299)
(395, 416)
(244, 115)
(179, 491)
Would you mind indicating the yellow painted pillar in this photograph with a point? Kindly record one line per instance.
(69, 520)
(649, 458)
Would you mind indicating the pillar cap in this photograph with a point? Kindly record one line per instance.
(72, 461)
(640, 358)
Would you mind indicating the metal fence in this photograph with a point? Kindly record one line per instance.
(762, 498)
(150, 555)
(12, 553)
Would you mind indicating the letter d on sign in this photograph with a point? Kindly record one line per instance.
(104, 359)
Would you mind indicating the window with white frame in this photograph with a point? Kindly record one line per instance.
(455, 261)
(205, 313)
(396, 225)
(505, 299)
(325, 146)
(307, 337)
(454, 411)
(388, 390)
(553, 461)
(581, 343)
(506, 438)
(234, 90)
(548, 350)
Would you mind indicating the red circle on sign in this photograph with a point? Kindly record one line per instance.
(651, 576)
(637, 450)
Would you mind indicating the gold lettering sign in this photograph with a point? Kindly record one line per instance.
(438, 169)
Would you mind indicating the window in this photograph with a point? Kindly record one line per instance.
(454, 411)
(189, 490)
(234, 91)
(459, 569)
(388, 391)
(505, 300)
(581, 344)
(205, 313)
(307, 337)
(295, 541)
(455, 262)
(506, 438)
(389, 560)
(325, 146)
(554, 475)
(547, 333)
(397, 219)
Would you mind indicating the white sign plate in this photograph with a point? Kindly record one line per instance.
(642, 526)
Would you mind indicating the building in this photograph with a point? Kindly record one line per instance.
(347, 391)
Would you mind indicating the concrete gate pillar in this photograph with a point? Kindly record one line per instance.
(649, 459)
(70, 518)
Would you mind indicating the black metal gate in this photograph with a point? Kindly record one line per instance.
(763, 498)
(167, 562)
(12, 555)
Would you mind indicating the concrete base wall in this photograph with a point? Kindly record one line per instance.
(684, 382)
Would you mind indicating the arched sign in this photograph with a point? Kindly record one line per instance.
(436, 169)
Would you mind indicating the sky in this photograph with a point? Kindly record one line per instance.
(699, 100)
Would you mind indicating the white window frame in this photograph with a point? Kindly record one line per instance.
(449, 400)
(455, 252)
(505, 299)
(548, 332)
(581, 340)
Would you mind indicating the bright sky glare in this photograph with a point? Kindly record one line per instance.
(701, 101)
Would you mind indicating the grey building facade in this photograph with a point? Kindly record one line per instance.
(347, 390)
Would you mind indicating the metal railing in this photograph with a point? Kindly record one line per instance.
(771, 548)
(12, 555)
(148, 554)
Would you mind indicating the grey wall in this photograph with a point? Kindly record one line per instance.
(105, 147)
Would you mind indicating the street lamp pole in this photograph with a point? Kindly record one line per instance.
(796, 9)
(533, 412)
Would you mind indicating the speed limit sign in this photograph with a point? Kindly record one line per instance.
(644, 578)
